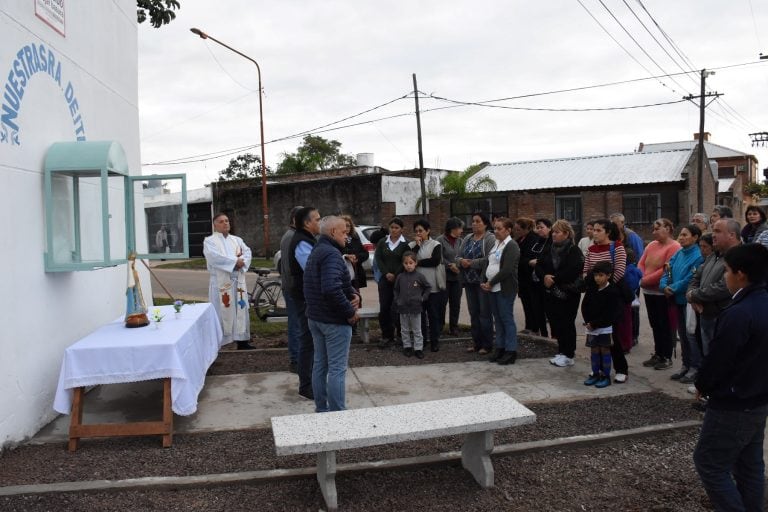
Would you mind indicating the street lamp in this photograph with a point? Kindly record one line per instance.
(203, 35)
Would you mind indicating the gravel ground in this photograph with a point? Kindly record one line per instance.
(452, 350)
(648, 473)
(642, 474)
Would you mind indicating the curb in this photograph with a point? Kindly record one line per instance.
(249, 477)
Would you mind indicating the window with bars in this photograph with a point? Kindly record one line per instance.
(641, 209)
(491, 206)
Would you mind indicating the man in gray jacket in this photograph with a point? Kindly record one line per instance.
(294, 328)
(707, 291)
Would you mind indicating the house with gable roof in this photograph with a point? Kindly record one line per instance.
(642, 185)
(733, 170)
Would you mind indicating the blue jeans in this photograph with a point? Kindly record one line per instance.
(479, 306)
(294, 328)
(688, 344)
(729, 458)
(502, 308)
(330, 369)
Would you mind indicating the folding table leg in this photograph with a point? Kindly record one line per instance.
(326, 477)
(476, 457)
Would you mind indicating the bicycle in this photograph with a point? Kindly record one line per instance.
(266, 297)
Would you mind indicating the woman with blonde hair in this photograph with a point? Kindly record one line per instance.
(559, 269)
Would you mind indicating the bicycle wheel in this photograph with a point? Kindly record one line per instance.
(269, 300)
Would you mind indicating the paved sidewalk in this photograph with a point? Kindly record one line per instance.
(234, 402)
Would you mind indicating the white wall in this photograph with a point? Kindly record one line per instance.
(44, 313)
(405, 192)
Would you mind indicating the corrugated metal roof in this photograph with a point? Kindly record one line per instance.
(713, 150)
(590, 171)
(725, 184)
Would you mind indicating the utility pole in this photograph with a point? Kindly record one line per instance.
(421, 156)
(700, 147)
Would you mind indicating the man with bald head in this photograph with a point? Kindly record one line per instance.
(707, 291)
(332, 304)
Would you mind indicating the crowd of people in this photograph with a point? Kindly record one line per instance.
(703, 284)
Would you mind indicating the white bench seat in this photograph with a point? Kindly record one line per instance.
(365, 315)
(476, 416)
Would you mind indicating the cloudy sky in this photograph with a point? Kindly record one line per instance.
(322, 62)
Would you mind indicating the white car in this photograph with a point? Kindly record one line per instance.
(362, 232)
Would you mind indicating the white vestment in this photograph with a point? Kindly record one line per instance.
(227, 289)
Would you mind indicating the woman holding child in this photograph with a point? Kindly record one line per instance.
(429, 257)
(388, 258)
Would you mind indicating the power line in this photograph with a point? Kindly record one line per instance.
(617, 42)
(594, 109)
(639, 45)
(326, 127)
(657, 41)
(208, 47)
(722, 103)
(196, 116)
(231, 151)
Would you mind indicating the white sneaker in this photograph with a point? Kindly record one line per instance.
(564, 361)
(692, 390)
(555, 359)
(620, 378)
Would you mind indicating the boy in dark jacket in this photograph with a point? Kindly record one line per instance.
(729, 454)
(411, 291)
(601, 309)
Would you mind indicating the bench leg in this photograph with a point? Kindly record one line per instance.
(476, 457)
(364, 329)
(326, 477)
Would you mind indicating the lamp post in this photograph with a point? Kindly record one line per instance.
(265, 207)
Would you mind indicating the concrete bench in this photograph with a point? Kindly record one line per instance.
(476, 416)
(365, 315)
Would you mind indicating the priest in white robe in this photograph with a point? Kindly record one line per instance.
(228, 259)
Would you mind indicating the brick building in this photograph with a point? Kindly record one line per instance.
(371, 195)
(642, 185)
(732, 169)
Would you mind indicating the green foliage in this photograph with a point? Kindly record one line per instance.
(241, 167)
(465, 184)
(315, 153)
(160, 11)
(756, 189)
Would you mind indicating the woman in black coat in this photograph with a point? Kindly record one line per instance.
(355, 254)
(526, 238)
(559, 270)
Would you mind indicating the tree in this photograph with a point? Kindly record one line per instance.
(466, 183)
(160, 11)
(241, 167)
(315, 153)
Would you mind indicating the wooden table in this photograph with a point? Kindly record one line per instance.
(179, 353)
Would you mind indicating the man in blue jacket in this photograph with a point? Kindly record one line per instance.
(729, 454)
(332, 305)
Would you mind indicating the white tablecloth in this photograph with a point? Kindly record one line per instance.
(181, 349)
